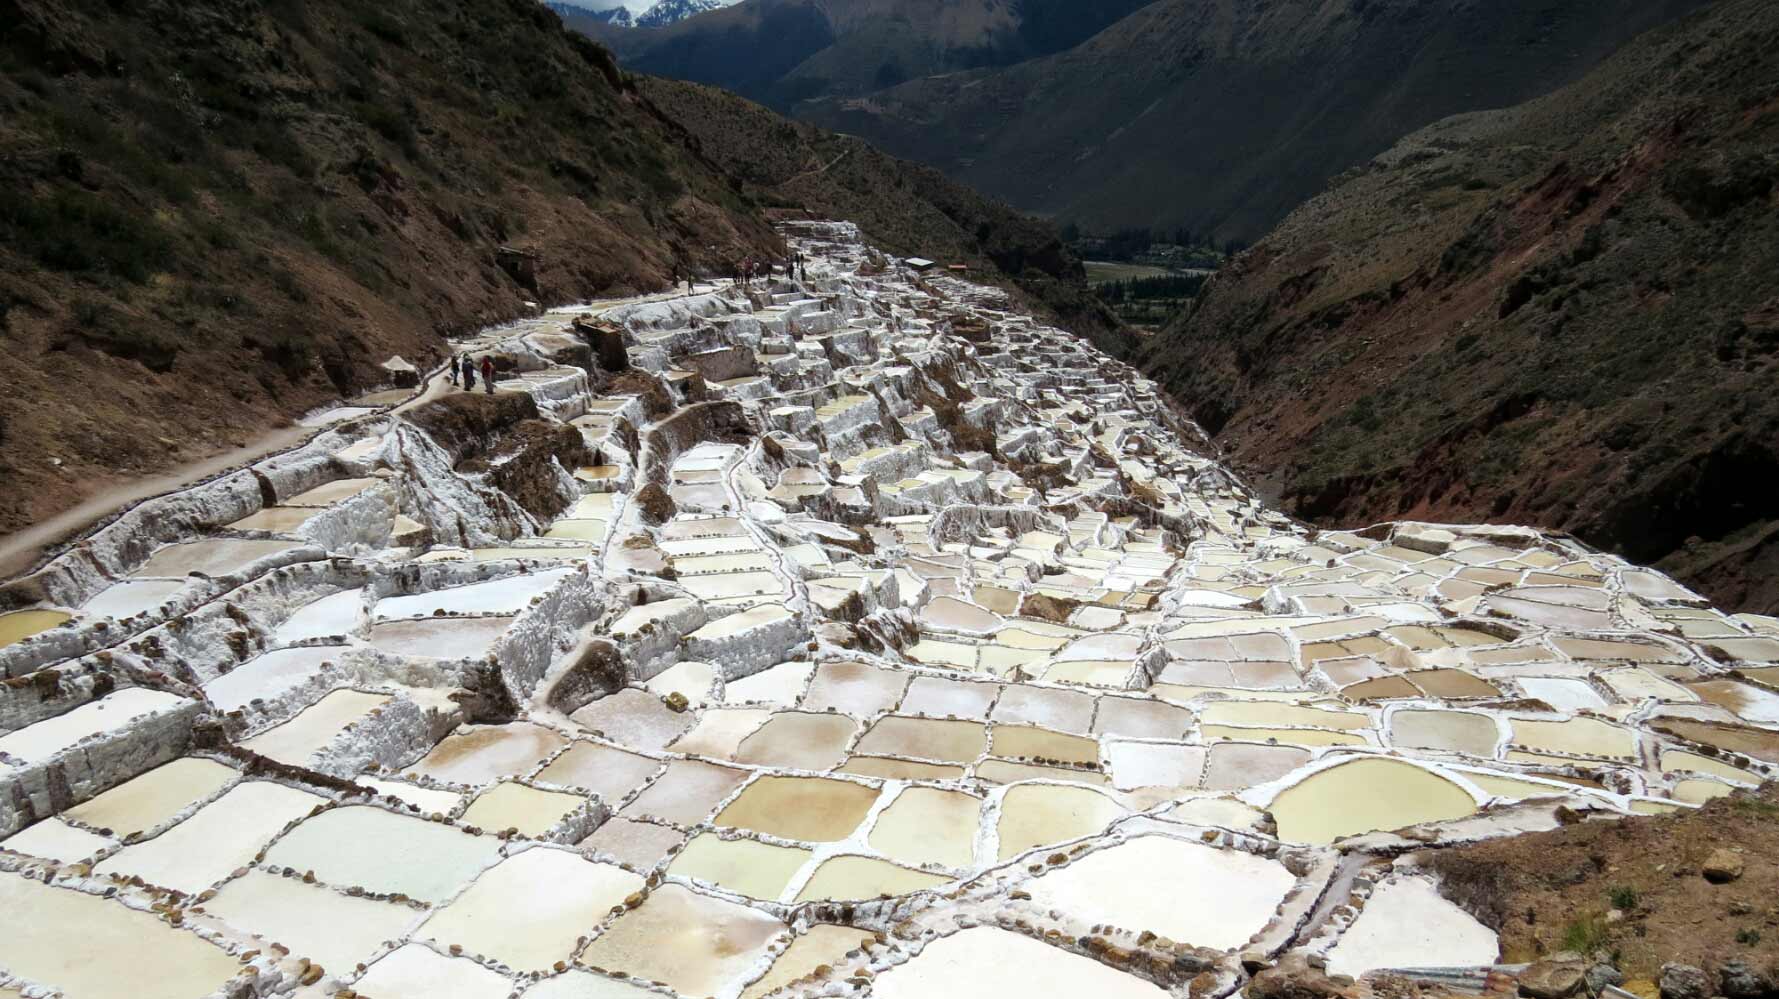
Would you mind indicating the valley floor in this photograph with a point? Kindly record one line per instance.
(848, 636)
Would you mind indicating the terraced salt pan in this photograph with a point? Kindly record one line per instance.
(19, 625)
(1575, 737)
(926, 738)
(779, 685)
(799, 740)
(857, 689)
(86, 945)
(297, 741)
(635, 718)
(214, 840)
(857, 878)
(575, 984)
(111, 713)
(642, 845)
(748, 867)
(418, 972)
(1040, 814)
(1407, 924)
(129, 598)
(429, 800)
(565, 896)
(505, 596)
(147, 801)
(1364, 795)
(821, 944)
(480, 754)
(267, 676)
(990, 963)
(330, 493)
(337, 614)
(687, 792)
(697, 944)
(929, 826)
(532, 811)
(1138, 885)
(440, 638)
(275, 519)
(53, 839)
(384, 852)
(215, 557)
(608, 772)
(812, 809)
(331, 929)
(720, 732)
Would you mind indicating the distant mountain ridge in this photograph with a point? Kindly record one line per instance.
(781, 51)
(1223, 115)
(572, 13)
(666, 12)
(663, 13)
(1215, 115)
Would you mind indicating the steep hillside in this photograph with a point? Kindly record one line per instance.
(1566, 313)
(904, 208)
(216, 215)
(782, 51)
(1223, 115)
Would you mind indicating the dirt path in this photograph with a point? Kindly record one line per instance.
(22, 551)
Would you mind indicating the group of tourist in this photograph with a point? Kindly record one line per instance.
(466, 365)
(749, 270)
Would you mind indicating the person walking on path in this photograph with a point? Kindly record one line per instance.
(456, 367)
(469, 373)
(488, 373)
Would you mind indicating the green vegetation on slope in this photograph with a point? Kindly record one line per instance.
(1565, 313)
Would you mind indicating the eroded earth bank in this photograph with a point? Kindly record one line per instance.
(852, 636)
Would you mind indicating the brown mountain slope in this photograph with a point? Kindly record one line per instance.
(1224, 115)
(904, 208)
(215, 215)
(1566, 313)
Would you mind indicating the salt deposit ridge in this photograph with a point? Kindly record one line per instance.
(865, 638)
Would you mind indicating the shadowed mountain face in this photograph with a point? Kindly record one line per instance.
(783, 51)
(216, 216)
(1563, 313)
(1223, 115)
(907, 209)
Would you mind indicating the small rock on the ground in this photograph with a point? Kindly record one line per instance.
(1722, 867)
(1737, 980)
(1555, 977)
(1683, 981)
(1601, 975)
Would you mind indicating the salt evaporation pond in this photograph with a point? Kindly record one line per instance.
(20, 625)
(877, 710)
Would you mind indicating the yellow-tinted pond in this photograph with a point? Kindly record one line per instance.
(20, 625)
(854, 878)
(812, 809)
(1366, 795)
(927, 825)
(696, 944)
(749, 867)
(1038, 814)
